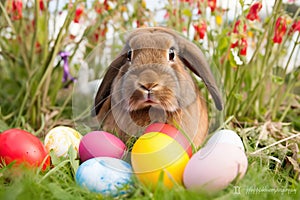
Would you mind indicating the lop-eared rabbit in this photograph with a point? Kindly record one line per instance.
(150, 81)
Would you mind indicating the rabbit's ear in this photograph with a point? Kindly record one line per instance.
(194, 59)
(105, 87)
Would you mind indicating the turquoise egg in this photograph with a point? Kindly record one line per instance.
(105, 175)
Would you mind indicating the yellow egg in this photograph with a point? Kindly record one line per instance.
(156, 153)
(60, 139)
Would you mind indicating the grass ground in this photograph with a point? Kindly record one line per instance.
(273, 173)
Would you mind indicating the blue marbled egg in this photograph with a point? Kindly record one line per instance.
(105, 175)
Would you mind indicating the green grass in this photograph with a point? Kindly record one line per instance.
(259, 183)
(269, 176)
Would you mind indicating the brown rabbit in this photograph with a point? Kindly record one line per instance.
(149, 82)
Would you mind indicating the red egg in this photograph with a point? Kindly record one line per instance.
(172, 132)
(23, 147)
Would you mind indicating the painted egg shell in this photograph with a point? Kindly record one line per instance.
(225, 136)
(100, 144)
(213, 169)
(105, 175)
(172, 132)
(154, 153)
(22, 147)
(60, 139)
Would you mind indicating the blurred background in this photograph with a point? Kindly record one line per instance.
(252, 47)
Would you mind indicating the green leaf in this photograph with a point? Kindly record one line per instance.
(238, 96)
(3, 126)
(277, 79)
(223, 45)
(54, 158)
(232, 61)
(72, 153)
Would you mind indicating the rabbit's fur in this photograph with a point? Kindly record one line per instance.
(149, 82)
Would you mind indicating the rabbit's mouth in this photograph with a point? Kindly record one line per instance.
(151, 102)
(143, 103)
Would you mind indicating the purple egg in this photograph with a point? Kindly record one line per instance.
(100, 144)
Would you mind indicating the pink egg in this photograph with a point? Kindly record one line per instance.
(213, 168)
(100, 144)
(172, 132)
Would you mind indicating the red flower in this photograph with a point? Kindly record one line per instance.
(240, 33)
(295, 27)
(100, 32)
(243, 46)
(236, 28)
(99, 8)
(212, 4)
(253, 12)
(42, 6)
(200, 29)
(167, 15)
(187, 1)
(280, 29)
(78, 13)
(233, 45)
(38, 47)
(138, 23)
(199, 8)
(17, 7)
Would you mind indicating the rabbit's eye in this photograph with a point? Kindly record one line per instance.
(129, 55)
(171, 54)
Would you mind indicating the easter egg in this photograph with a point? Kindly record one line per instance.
(60, 139)
(156, 154)
(100, 144)
(172, 132)
(20, 146)
(105, 175)
(215, 166)
(225, 136)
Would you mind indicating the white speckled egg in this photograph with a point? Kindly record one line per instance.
(216, 165)
(105, 175)
(60, 139)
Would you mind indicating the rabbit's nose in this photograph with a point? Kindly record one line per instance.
(148, 87)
